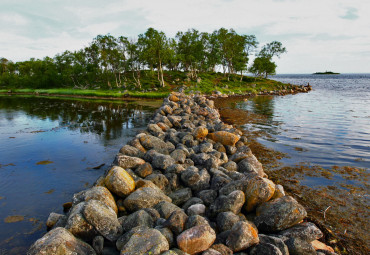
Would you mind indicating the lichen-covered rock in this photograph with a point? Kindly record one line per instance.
(60, 241)
(160, 181)
(144, 170)
(162, 161)
(103, 218)
(176, 222)
(127, 162)
(179, 197)
(226, 220)
(136, 219)
(279, 214)
(97, 193)
(275, 241)
(179, 156)
(258, 191)
(250, 165)
(145, 241)
(305, 231)
(223, 137)
(196, 239)
(144, 198)
(53, 219)
(297, 246)
(165, 209)
(232, 202)
(131, 151)
(173, 98)
(265, 249)
(119, 181)
(200, 132)
(150, 142)
(242, 235)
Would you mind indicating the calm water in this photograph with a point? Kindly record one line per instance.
(328, 126)
(48, 150)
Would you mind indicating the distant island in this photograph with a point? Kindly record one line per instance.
(326, 72)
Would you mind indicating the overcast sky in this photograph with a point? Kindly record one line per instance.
(319, 35)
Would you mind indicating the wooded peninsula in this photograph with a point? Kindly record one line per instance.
(153, 64)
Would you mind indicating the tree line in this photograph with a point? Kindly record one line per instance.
(110, 61)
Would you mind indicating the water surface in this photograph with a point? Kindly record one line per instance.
(49, 148)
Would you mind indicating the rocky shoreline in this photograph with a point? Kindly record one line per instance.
(188, 184)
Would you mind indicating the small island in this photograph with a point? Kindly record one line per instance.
(326, 72)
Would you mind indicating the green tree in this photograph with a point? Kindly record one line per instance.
(262, 67)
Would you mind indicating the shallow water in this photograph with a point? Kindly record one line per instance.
(49, 148)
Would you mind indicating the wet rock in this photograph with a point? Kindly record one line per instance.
(297, 246)
(242, 235)
(150, 142)
(119, 181)
(127, 161)
(208, 196)
(144, 198)
(136, 219)
(148, 241)
(258, 191)
(223, 137)
(53, 219)
(200, 132)
(275, 241)
(279, 214)
(179, 197)
(98, 244)
(176, 221)
(197, 209)
(60, 241)
(103, 218)
(99, 193)
(306, 231)
(226, 220)
(195, 220)
(196, 239)
(232, 202)
(78, 225)
(144, 170)
(131, 151)
(165, 209)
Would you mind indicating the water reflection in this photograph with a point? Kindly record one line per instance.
(72, 137)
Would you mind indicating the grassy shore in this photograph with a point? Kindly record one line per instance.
(206, 83)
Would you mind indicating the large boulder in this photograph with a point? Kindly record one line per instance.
(103, 218)
(196, 239)
(150, 142)
(279, 214)
(97, 193)
(258, 191)
(119, 181)
(144, 198)
(60, 241)
(242, 235)
(223, 137)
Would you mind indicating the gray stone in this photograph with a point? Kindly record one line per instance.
(195, 220)
(197, 209)
(150, 142)
(211, 251)
(306, 231)
(144, 170)
(226, 220)
(179, 156)
(53, 219)
(60, 241)
(223, 249)
(208, 196)
(162, 161)
(237, 157)
(230, 166)
(167, 233)
(297, 246)
(218, 181)
(103, 218)
(179, 197)
(251, 164)
(275, 241)
(279, 214)
(160, 181)
(131, 151)
(190, 202)
(155, 130)
(144, 198)
(242, 235)
(136, 219)
(232, 186)
(98, 244)
(165, 209)
(264, 249)
(126, 162)
(176, 221)
(232, 202)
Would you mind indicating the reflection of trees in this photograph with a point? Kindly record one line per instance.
(106, 119)
(263, 105)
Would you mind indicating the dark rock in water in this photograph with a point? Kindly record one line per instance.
(196, 239)
(223, 249)
(78, 225)
(232, 202)
(144, 198)
(277, 242)
(297, 246)
(136, 219)
(176, 222)
(305, 231)
(99, 193)
(145, 241)
(119, 181)
(98, 244)
(242, 235)
(150, 142)
(103, 218)
(195, 220)
(144, 170)
(165, 209)
(226, 220)
(279, 214)
(179, 197)
(208, 196)
(190, 202)
(264, 249)
(60, 241)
